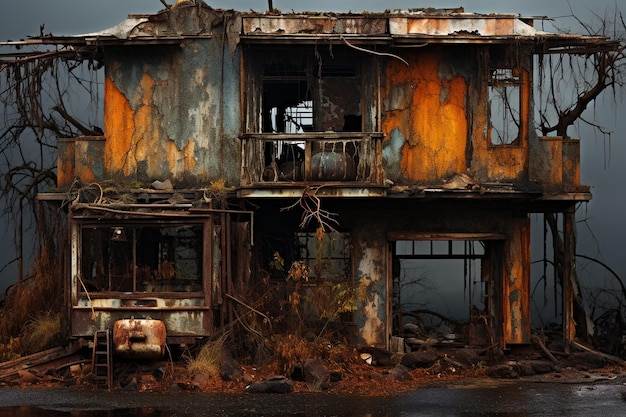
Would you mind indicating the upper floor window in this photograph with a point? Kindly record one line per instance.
(504, 106)
(306, 89)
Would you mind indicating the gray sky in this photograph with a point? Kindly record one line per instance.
(602, 160)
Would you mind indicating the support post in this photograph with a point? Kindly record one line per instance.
(569, 259)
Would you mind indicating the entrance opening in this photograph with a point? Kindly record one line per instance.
(441, 292)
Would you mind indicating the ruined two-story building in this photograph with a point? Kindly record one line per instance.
(230, 137)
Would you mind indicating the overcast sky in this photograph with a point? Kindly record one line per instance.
(603, 164)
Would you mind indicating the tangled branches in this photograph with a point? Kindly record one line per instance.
(44, 95)
(311, 205)
(583, 76)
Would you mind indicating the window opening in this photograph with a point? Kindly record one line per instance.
(304, 93)
(329, 258)
(142, 258)
(504, 106)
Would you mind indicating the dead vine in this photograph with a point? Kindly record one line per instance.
(311, 205)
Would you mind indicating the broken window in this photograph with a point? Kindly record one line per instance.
(504, 106)
(308, 98)
(328, 255)
(310, 92)
(142, 258)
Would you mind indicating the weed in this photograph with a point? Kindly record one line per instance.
(208, 358)
(42, 331)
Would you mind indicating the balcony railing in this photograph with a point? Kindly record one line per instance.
(344, 157)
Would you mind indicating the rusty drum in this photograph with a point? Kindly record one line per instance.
(139, 338)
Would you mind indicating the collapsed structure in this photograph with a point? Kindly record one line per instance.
(237, 144)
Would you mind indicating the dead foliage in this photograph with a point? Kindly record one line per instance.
(207, 360)
(31, 312)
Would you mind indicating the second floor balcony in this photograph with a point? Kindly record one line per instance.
(281, 165)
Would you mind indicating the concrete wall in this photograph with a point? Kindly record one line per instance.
(511, 303)
(173, 112)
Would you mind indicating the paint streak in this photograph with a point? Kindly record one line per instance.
(371, 295)
(373, 329)
(119, 125)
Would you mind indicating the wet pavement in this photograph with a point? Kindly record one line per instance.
(510, 399)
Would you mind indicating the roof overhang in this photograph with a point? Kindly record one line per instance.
(416, 27)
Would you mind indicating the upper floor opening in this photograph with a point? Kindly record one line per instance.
(309, 116)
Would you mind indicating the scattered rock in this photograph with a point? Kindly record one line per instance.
(378, 356)
(399, 373)
(336, 376)
(526, 368)
(316, 373)
(26, 377)
(412, 329)
(413, 360)
(275, 384)
(467, 357)
(585, 361)
(503, 371)
(230, 370)
(162, 185)
(200, 380)
(130, 386)
(541, 367)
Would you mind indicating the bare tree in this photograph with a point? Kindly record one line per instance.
(569, 83)
(39, 89)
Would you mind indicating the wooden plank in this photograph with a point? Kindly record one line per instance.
(10, 368)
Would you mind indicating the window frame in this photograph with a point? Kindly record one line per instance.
(197, 287)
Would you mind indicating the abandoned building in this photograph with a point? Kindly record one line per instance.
(247, 148)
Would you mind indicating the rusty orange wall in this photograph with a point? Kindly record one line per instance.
(66, 162)
(133, 135)
(436, 119)
(427, 112)
(173, 112)
(516, 284)
(500, 162)
(119, 126)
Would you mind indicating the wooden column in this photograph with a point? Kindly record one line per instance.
(569, 259)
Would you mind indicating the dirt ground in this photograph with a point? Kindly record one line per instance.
(348, 371)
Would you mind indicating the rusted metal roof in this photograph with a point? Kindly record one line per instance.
(402, 27)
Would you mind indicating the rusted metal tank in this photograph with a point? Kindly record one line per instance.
(331, 166)
(139, 338)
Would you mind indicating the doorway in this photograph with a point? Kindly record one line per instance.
(442, 291)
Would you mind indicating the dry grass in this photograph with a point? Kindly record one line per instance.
(42, 332)
(29, 310)
(208, 359)
(10, 349)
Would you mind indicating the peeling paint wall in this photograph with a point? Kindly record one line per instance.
(371, 249)
(425, 118)
(373, 274)
(172, 112)
(436, 118)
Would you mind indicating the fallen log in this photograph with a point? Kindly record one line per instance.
(612, 359)
(537, 340)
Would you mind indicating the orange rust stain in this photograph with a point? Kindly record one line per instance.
(180, 161)
(433, 119)
(135, 136)
(146, 138)
(506, 162)
(516, 284)
(119, 126)
(66, 163)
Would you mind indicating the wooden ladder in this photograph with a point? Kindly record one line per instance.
(101, 359)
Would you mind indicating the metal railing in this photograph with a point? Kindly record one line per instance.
(311, 158)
